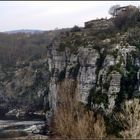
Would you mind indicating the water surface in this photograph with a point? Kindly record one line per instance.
(16, 128)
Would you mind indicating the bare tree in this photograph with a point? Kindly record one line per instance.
(131, 116)
(112, 9)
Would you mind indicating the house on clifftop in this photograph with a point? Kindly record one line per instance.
(104, 23)
(124, 10)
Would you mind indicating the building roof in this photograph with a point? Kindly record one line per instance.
(129, 6)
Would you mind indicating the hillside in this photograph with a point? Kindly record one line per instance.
(87, 75)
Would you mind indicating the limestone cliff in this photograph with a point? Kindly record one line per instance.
(105, 68)
(100, 69)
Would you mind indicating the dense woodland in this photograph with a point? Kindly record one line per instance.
(24, 46)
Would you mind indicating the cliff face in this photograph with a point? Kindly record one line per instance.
(102, 73)
(24, 86)
(106, 73)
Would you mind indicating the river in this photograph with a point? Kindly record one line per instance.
(17, 128)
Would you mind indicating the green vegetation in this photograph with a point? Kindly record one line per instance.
(97, 97)
(133, 37)
(73, 41)
(128, 83)
(14, 47)
(76, 29)
(74, 71)
(104, 34)
(61, 75)
(114, 125)
(24, 46)
(116, 67)
(114, 53)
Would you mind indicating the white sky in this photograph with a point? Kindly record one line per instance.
(47, 15)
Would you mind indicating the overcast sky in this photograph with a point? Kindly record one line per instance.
(47, 15)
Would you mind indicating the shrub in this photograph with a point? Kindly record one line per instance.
(72, 119)
(97, 97)
(76, 29)
(131, 117)
(133, 37)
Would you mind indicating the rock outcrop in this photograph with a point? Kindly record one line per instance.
(24, 87)
(102, 71)
(98, 70)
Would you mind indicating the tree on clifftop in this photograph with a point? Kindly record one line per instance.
(112, 9)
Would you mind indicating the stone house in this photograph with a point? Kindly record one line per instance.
(124, 10)
(104, 23)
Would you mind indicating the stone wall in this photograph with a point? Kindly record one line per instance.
(99, 24)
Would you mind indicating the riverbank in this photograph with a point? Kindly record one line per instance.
(16, 129)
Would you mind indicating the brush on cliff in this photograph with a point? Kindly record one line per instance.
(72, 119)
